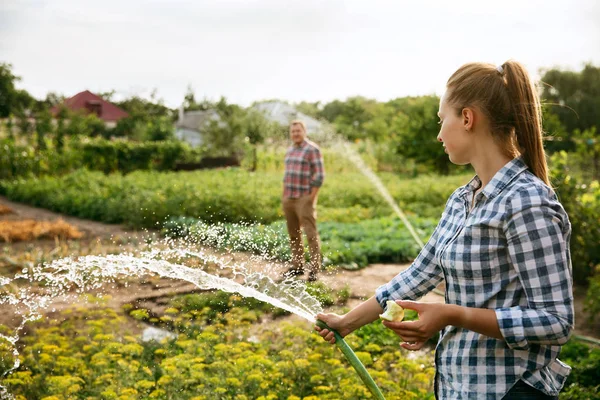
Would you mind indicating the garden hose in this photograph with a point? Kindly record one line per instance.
(354, 361)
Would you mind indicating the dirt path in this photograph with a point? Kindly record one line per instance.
(362, 283)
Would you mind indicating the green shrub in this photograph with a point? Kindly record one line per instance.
(148, 198)
(582, 203)
(584, 380)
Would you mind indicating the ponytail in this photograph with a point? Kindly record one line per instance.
(527, 118)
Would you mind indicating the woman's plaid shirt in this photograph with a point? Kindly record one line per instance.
(510, 253)
(303, 169)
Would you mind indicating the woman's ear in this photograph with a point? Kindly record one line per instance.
(468, 116)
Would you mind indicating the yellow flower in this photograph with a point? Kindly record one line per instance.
(144, 384)
(157, 393)
(164, 380)
(233, 382)
(364, 357)
(301, 363)
(108, 394)
(132, 349)
(334, 362)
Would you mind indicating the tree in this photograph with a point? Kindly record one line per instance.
(143, 115)
(12, 100)
(43, 127)
(141, 109)
(108, 96)
(160, 128)
(61, 118)
(415, 131)
(77, 125)
(7, 90)
(573, 96)
(52, 99)
(256, 129)
(589, 149)
(358, 118)
(94, 126)
(128, 127)
(190, 103)
(556, 137)
(10, 128)
(310, 109)
(25, 126)
(225, 134)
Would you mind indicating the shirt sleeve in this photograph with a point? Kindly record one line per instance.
(538, 236)
(420, 278)
(316, 168)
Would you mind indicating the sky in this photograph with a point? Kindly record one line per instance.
(309, 50)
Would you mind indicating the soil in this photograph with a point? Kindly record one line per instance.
(361, 283)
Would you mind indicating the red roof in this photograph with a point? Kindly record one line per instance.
(90, 103)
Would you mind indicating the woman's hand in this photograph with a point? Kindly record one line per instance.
(334, 321)
(433, 317)
(365, 313)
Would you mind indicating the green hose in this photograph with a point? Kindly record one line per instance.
(354, 361)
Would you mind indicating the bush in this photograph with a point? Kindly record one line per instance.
(25, 161)
(97, 154)
(584, 380)
(582, 203)
(125, 156)
(148, 198)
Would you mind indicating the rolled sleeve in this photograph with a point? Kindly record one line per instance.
(420, 278)
(538, 245)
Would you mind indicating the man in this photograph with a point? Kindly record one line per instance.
(304, 175)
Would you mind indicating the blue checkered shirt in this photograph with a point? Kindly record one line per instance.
(510, 253)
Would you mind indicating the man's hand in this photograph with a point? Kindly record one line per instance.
(314, 193)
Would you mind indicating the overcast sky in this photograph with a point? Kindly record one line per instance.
(293, 50)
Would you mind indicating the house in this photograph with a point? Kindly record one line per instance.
(88, 102)
(190, 124)
(189, 128)
(284, 113)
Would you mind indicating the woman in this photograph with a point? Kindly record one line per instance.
(502, 246)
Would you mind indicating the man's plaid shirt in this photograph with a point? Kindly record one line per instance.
(303, 169)
(510, 253)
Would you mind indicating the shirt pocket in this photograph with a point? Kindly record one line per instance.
(477, 252)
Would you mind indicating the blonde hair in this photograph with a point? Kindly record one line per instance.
(509, 99)
(298, 122)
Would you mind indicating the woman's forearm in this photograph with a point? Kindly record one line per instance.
(363, 314)
(480, 320)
